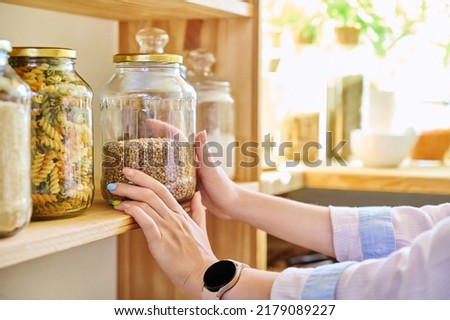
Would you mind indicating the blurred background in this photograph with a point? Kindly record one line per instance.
(338, 65)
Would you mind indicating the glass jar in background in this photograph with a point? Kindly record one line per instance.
(148, 123)
(15, 165)
(301, 130)
(345, 90)
(61, 131)
(215, 109)
(304, 102)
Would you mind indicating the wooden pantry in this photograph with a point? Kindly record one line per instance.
(219, 26)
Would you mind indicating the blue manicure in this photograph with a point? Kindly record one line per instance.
(111, 186)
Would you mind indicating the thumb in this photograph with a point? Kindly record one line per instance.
(207, 163)
(198, 211)
(201, 150)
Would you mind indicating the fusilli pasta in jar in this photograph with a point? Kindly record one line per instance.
(61, 131)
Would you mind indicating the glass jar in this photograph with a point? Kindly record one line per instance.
(215, 109)
(148, 123)
(345, 91)
(153, 40)
(15, 188)
(61, 131)
(303, 103)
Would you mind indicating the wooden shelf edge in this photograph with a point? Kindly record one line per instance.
(128, 10)
(229, 7)
(41, 238)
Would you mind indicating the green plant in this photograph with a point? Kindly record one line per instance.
(384, 37)
(305, 24)
(446, 48)
(362, 14)
(345, 12)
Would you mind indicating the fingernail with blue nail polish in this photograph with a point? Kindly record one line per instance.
(111, 186)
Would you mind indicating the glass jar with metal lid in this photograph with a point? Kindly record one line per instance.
(215, 109)
(15, 188)
(61, 127)
(148, 123)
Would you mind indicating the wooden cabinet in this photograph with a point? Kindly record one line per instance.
(228, 28)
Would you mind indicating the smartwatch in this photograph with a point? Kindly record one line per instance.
(221, 277)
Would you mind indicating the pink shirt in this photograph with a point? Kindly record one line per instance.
(383, 253)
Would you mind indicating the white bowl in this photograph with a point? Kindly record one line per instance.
(382, 149)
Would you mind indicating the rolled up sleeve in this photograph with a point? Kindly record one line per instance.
(308, 283)
(378, 236)
(362, 233)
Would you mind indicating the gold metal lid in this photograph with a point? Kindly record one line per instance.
(46, 52)
(145, 57)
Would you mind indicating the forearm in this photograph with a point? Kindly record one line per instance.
(419, 271)
(253, 284)
(303, 224)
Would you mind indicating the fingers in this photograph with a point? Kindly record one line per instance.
(198, 211)
(158, 229)
(146, 189)
(200, 140)
(145, 217)
(141, 194)
(206, 161)
(161, 129)
(208, 167)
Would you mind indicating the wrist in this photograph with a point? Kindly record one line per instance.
(253, 284)
(231, 207)
(242, 204)
(221, 277)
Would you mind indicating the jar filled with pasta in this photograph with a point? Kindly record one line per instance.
(148, 123)
(15, 188)
(61, 131)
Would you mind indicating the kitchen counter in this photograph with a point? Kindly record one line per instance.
(408, 178)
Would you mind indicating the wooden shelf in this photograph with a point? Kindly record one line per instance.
(127, 10)
(41, 238)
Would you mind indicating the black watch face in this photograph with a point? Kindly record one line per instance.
(219, 274)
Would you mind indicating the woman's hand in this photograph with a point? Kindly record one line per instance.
(178, 242)
(220, 194)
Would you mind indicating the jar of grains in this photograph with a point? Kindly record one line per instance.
(148, 123)
(61, 131)
(215, 109)
(15, 188)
